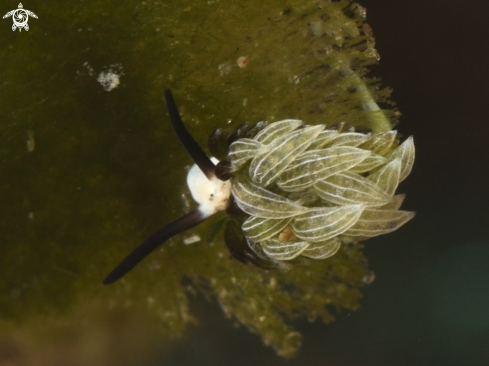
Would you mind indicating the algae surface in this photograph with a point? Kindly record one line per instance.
(90, 168)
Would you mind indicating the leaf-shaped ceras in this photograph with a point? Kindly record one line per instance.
(242, 150)
(277, 129)
(394, 203)
(387, 177)
(324, 223)
(349, 188)
(259, 229)
(260, 202)
(374, 222)
(380, 143)
(323, 138)
(405, 152)
(266, 168)
(312, 166)
(306, 190)
(323, 249)
(283, 250)
(371, 162)
(348, 139)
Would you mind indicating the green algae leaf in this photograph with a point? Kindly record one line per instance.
(88, 173)
(301, 291)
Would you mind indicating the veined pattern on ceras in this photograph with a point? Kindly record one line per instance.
(307, 189)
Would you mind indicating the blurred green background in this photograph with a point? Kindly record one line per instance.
(100, 157)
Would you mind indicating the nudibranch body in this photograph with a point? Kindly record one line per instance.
(307, 189)
(291, 189)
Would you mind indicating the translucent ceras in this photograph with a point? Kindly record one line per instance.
(290, 189)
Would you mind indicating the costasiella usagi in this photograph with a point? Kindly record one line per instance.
(293, 190)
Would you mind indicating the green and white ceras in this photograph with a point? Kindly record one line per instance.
(309, 189)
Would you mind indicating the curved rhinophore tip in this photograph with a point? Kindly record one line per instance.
(194, 150)
(185, 222)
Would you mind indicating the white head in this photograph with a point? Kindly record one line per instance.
(212, 195)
